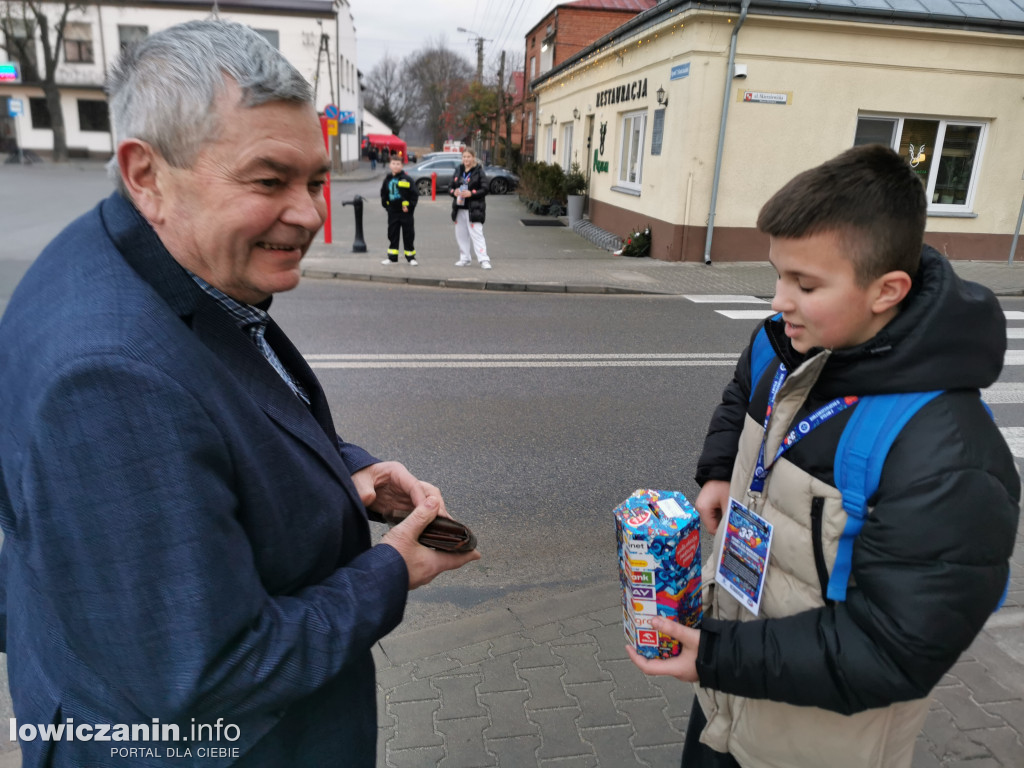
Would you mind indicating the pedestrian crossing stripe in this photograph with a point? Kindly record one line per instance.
(712, 298)
(746, 314)
(1014, 437)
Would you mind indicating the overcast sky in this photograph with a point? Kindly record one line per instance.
(400, 27)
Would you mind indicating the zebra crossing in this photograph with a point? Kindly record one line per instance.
(1000, 393)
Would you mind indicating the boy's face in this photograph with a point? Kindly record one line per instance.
(396, 165)
(818, 295)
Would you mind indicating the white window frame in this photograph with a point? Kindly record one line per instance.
(549, 135)
(566, 146)
(966, 207)
(626, 158)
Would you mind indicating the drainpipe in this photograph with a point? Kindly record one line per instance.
(744, 7)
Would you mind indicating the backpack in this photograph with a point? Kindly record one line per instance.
(860, 456)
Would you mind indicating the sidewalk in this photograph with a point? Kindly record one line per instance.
(549, 684)
(550, 258)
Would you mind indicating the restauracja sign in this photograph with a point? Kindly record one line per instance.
(628, 92)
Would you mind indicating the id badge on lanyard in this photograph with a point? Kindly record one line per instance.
(743, 556)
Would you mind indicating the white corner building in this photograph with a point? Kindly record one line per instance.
(317, 36)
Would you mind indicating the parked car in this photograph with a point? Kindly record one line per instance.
(499, 180)
(444, 167)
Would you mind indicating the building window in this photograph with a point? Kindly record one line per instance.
(533, 67)
(78, 43)
(40, 113)
(529, 125)
(21, 46)
(946, 155)
(547, 57)
(131, 35)
(566, 147)
(93, 115)
(271, 36)
(631, 152)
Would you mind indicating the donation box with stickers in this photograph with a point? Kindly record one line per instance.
(658, 534)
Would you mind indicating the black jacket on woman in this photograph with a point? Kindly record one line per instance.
(477, 184)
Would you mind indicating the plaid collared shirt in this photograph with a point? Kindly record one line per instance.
(253, 321)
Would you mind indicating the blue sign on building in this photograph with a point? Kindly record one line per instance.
(679, 71)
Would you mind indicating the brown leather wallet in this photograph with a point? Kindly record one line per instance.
(448, 536)
(441, 533)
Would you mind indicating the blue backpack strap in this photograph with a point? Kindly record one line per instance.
(761, 356)
(860, 456)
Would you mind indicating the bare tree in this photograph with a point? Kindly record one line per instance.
(388, 97)
(20, 23)
(439, 78)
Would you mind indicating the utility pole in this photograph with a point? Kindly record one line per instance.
(479, 52)
(501, 111)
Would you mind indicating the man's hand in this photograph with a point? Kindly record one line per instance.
(423, 563)
(683, 666)
(388, 488)
(712, 502)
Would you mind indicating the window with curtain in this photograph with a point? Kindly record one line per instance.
(631, 150)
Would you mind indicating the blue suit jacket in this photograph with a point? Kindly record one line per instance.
(182, 537)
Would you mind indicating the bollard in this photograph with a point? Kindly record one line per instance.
(358, 245)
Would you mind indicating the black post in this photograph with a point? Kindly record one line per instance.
(358, 245)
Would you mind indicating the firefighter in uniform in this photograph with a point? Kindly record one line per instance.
(398, 196)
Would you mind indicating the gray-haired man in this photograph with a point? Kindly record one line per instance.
(187, 567)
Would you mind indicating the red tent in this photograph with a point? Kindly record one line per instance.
(387, 143)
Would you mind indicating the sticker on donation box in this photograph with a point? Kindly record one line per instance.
(743, 558)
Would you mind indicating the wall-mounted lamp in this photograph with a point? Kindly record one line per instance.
(575, 113)
(552, 119)
(662, 98)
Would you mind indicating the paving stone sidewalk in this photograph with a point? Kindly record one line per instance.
(550, 685)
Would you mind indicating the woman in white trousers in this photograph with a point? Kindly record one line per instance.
(469, 209)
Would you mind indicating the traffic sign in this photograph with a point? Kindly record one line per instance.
(15, 107)
(9, 72)
(331, 112)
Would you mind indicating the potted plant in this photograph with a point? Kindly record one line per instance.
(575, 188)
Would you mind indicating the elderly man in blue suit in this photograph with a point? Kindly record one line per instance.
(187, 569)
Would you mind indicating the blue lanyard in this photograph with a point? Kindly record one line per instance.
(796, 434)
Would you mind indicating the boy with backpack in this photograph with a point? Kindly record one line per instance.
(888, 531)
(398, 195)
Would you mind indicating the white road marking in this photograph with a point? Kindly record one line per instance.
(1014, 357)
(1015, 439)
(1015, 333)
(1014, 314)
(746, 314)
(540, 360)
(710, 298)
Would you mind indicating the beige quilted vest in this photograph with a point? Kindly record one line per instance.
(767, 734)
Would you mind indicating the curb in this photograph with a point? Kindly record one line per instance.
(467, 283)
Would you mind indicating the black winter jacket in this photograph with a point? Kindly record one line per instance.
(931, 562)
(477, 183)
(398, 189)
